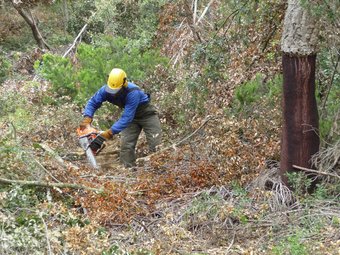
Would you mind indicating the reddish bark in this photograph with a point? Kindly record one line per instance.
(300, 139)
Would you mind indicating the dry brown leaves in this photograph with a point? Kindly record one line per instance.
(169, 178)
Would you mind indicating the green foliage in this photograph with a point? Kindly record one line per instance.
(81, 14)
(329, 94)
(94, 63)
(18, 196)
(116, 250)
(60, 72)
(247, 93)
(238, 190)
(326, 190)
(274, 88)
(198, 92)
(21, 225)
(16, 110)
(213, 57)
(257, 91)
(206, 205)
(292, 245)
(299, 182)
(323, 10)
(134, 20)
(5, 68)
(21, 41)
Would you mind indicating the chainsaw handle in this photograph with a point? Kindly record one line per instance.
(87, 132)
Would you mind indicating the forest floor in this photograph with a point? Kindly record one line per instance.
(178, 201)
(212, 189)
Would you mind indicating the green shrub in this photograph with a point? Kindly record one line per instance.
(247, 93)
(299, 182)
(293, 245)
(328, 95)
(94, 62)
(60, 72)
(5, 68)
(257, 90)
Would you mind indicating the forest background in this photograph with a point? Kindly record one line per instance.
(214, 71)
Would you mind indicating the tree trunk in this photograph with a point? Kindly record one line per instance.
(28, 17)
(300, 139)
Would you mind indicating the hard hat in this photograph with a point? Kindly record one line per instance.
(117, 80)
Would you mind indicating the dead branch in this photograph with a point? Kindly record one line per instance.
(203, 13)
(46, 235)
(316, 171)
(43, 168)
(75, 40)
(173, 146)
(49, 184)
(60, 161)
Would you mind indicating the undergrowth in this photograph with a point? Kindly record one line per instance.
(215, 190)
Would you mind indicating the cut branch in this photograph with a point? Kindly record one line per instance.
(60, 161)
(49, 185)
(316, 171)
(75, 40)
(173, 146)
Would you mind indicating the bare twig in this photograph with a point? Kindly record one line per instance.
(46, 235)
(50, 185)
(173, 146)
(56, 156)
(195, 12)
(231, 243)
(43, 168)
(75, 40)
(204, 12)
(316, 171)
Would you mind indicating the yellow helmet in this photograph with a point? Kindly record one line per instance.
(117, 80)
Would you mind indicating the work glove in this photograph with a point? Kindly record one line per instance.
(85, 123)
(107, 134)
(98, 143)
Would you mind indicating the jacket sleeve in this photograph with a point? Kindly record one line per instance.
(132, 102)
(94, 103)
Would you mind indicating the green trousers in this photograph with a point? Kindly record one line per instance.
(146, 119)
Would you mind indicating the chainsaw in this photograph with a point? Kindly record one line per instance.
(86, 137)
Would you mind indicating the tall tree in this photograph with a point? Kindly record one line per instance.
(23, 8)
(300, 139)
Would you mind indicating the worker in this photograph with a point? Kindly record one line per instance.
(138, 114)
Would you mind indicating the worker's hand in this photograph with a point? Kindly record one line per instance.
(107, 134)
(86, 122)
(97, 144)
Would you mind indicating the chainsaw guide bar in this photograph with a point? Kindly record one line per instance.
(86, 136)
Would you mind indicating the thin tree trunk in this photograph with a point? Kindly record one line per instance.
(66, 15)
(300, 139)
(28, 17)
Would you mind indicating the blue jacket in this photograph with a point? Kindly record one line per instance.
(129, 100)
